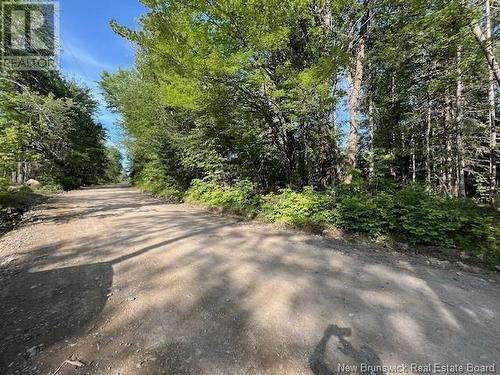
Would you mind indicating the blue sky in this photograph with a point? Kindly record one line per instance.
(89, 46)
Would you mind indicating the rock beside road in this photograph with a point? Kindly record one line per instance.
(33, 183)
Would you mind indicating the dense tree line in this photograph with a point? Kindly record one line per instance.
(48, 125)
(305, 93)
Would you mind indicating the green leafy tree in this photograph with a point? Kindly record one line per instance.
(49, 122)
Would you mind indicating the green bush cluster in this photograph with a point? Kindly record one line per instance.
(152, 180)
(306, 209)
(50, 184)
(414, 215)
(409, 214)
(360, 213)
(239, 197)
(4, 184)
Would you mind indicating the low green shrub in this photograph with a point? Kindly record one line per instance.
(477, 229)
(202, 191)
(17, 198)
(423, 218)
(4, 184)
(417, 216)
(360, 213)
(239, 198)
(307, 209)
(50, 185)
(152, 180)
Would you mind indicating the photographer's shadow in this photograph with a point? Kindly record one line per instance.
(349, 360)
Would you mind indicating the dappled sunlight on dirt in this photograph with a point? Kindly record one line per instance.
(145, 287)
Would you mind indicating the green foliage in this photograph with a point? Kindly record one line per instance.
(17, 198)
(113, 172)
(360, 213)
(50, 184)
(306, 209)
(4, 184)
(475, 229)
(417, 216)
(221, 92)
(48, 121)
(151, 179)
(423, 217)
(239, 198)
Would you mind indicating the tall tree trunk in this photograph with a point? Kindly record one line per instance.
(336, 168)
(428, 148)
(371, 136)
(486, 45)
(448, 132)
(492, 111)
(403, 159)
(493, 144)
(459, 131)
(290, 155)
(393, 130)
(355, 80)
(413, 158)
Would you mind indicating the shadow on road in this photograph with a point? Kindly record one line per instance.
(350, 360)
(213, 295)
(41, 308)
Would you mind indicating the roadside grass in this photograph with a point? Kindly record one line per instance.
(18, 198)
(14, 202)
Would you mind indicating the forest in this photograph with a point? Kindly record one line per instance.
(48, 131)
(374, 116)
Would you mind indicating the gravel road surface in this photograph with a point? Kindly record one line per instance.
(111, 281)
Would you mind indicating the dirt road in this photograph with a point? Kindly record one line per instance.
(121, 283)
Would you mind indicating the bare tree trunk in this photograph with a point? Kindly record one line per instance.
(355, 80)
(393, 135)
(494, 73)
(413, 158)
(336, 167)
(392, 169)
(428, 148)
(21, 173)
(448, 159)
(493, 144)
(402, 160)
(371, 135)
(485, 43)
(459, 131)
